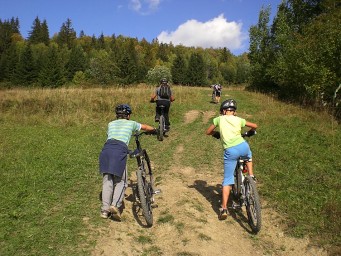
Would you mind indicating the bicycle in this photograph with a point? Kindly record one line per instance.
(144, 189)
(161, 131)
(245, 192)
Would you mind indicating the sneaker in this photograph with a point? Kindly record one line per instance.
(105, 214)
(115, 213)
(223, 214)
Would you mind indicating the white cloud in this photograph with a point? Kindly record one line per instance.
(144, 6)
(215, 33)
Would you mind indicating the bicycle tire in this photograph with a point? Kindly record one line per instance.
(161, 128)
(252, 204)
(236, 188)
(145, 193)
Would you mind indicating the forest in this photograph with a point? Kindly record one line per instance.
(295, 57)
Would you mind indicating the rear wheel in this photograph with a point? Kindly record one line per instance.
(161, 128)
(253, 207)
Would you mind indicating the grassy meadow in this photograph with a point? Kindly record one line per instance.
(50, 141)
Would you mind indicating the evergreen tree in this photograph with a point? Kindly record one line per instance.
(128, 64)
(66, 35)
(25, 69)
(34, 34)
(7, 29)
(179, 70)
(44, 33)
(196, 72)
(77, 62)
(52, 70)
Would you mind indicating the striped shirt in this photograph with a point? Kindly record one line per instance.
(122, 129)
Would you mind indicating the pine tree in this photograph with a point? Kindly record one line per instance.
(196, 72)
(66, 35)
(25, 73)
(179, 70)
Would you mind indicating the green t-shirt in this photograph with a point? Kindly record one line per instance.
(230, 128)
(122, 129)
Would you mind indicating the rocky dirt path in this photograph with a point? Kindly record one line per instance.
(186, 222)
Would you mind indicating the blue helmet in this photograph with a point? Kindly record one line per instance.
(123, 109)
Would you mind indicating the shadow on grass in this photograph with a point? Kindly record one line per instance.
(213, 195)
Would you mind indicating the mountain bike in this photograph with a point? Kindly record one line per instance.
(144, 189)
(245, 192)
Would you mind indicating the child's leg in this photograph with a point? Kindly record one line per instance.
(119, 189)
(250, 167)
(107, 190)
(225, 196)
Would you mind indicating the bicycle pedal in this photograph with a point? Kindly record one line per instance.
(157, 191)
(154, 205)
(236, 206)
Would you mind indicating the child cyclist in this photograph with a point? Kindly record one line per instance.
(113, 158)
(234, 145)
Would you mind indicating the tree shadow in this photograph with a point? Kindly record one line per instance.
(213, 196)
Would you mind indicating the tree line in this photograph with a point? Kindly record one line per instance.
(298, 56)
(65, 58)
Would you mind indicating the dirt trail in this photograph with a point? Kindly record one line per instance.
(186, 221)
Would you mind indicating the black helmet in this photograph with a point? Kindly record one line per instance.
(123, 109)
(229, 104)
(163, 81)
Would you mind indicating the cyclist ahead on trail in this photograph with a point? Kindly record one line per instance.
(234, 145)
(113, 159)
(163, 96)
(217, 92)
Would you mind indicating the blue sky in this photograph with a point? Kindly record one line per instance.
(199, 23)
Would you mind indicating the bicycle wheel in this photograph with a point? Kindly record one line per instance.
(236, 188)
(253, 207)
(145, 192)
(161, 128)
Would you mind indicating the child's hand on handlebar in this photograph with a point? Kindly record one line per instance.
(216, 135)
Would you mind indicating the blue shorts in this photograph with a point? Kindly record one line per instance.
(231, 156)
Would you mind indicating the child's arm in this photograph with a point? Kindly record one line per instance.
(253, 126)
(210, 129)
(147, 128)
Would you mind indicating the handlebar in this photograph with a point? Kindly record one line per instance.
(138, 134)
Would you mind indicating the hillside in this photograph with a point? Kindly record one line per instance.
(50, 141)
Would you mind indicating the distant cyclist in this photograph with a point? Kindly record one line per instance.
(163, 96)
(216, 94)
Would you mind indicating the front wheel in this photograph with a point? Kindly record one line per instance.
(145, 195)
(253, 207)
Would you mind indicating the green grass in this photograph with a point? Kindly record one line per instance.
(50, 141)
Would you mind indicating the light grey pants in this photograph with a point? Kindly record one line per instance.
(113, 190)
